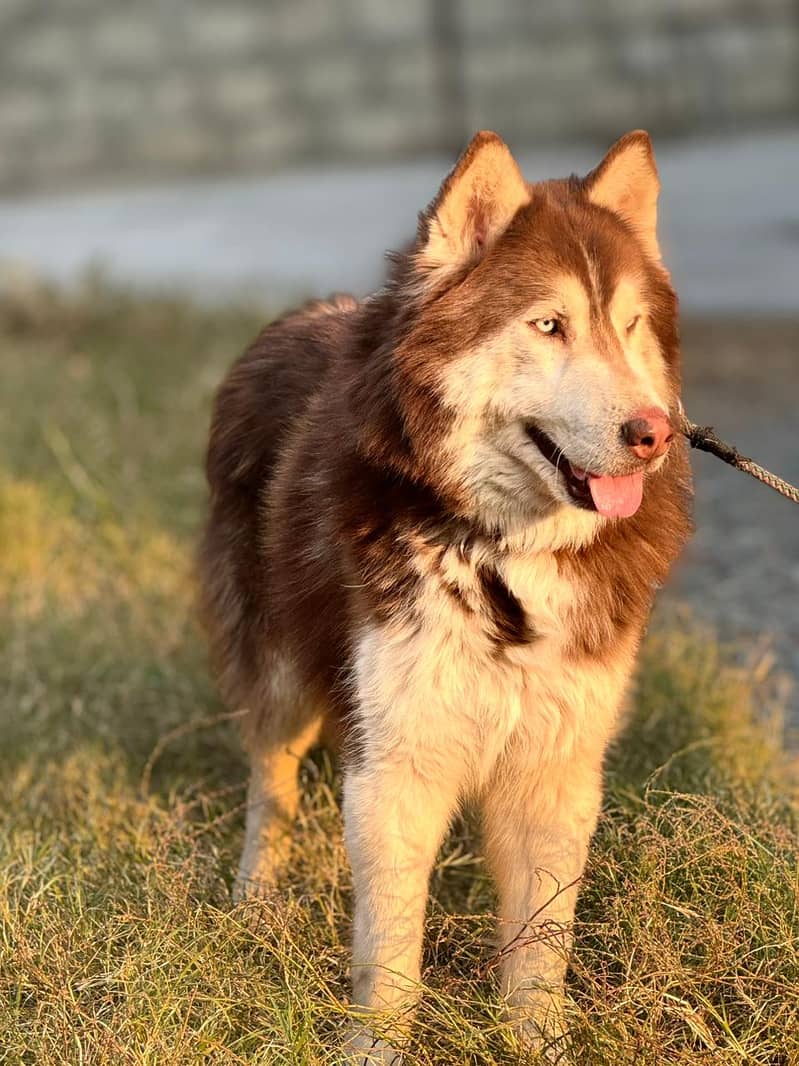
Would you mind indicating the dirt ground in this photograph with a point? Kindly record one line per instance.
(741, 571)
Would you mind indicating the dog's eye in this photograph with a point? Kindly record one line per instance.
(549, 326)
(632, 323)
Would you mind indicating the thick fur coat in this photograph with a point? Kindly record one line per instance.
(438, 519)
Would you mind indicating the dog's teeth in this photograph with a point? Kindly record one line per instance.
(579, 473)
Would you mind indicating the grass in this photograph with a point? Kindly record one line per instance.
(122, 780)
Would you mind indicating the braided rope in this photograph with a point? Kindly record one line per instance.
(705, 440)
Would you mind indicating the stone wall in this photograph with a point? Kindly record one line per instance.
(93, 91)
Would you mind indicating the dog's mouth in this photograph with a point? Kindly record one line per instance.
(614, 497)
(574, 477)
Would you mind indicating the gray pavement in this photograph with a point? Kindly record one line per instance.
(730, 231)
(729, 225)
(741, 570)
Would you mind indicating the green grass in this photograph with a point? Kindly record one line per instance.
(122, 780)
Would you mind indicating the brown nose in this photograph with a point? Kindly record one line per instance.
(648, 433)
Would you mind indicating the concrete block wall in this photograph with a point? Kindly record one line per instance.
(98, 91)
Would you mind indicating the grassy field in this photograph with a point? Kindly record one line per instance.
(122, 781)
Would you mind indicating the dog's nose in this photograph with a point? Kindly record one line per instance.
(648, 434)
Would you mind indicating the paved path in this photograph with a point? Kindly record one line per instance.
(741, 571)
(730, 230)
(729, 223)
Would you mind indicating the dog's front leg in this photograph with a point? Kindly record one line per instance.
(537, 830)
(399, 795)
(396, 812)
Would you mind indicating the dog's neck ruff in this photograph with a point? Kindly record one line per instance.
(564, 529)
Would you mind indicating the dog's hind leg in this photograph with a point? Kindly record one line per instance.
(278, 734)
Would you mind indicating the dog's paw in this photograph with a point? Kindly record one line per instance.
(546, 1039)
(255, 901)
(363, 1048)
(538, 1023)
(247, 888)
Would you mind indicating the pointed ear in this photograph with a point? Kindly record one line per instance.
(626, 182)
(474, 206)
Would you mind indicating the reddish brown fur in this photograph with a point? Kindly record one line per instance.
(323, 456)
(342, 526)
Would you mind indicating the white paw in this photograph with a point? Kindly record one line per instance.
(256, 902)
(253, 886)
(548, 1039)
(363, 1048)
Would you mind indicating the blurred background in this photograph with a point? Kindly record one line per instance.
(267, 149)
(285, 145)
(99, 91)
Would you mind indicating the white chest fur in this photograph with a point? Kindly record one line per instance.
(439, 685)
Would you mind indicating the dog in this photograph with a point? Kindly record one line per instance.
(438, 518)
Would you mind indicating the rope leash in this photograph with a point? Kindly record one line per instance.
(705, 440)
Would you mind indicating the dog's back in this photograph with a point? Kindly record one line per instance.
(260, 403)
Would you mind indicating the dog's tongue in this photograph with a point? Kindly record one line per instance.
(616, 497)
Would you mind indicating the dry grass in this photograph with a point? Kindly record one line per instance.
(123, 784)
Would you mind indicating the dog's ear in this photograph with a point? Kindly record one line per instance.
(473, 207)
(626, 182)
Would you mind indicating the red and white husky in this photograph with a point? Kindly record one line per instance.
(438, 519)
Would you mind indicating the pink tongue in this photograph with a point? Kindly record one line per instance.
(616, 497)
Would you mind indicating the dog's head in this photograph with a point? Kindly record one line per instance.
(540, 362)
